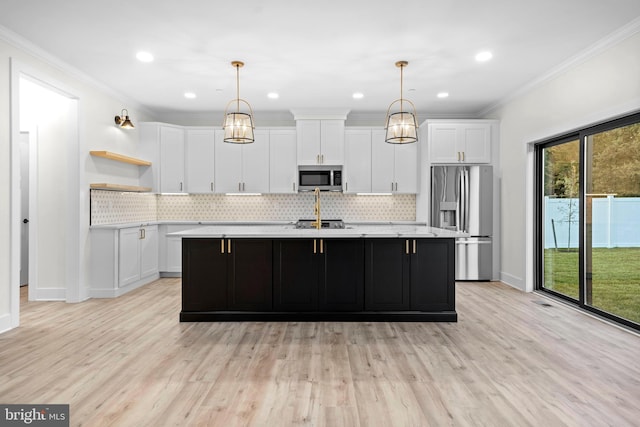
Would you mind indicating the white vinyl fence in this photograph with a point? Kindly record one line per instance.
(616, 222)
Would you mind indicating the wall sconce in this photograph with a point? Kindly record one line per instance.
(123, 120)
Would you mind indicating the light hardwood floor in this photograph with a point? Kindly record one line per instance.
(507, 362)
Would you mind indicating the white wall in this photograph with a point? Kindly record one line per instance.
(602, 85)
(97, 107)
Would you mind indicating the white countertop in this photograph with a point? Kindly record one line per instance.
(352, 230)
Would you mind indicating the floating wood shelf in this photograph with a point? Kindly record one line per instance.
(120, 158)
(119, 187)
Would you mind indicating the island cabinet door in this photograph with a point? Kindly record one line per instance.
(432, 274)
(342, 275)
(204, 275)
(296, 274)
(387, 275)
(250, 274)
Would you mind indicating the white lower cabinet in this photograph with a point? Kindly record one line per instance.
(122, 259)
(171, 249)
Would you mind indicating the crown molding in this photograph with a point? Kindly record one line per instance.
(42, 55)
(595, 49)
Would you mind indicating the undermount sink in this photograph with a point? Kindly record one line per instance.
(325, 223)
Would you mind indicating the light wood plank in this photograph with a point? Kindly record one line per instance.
(119, 187)
(507, 361)
(120, 158)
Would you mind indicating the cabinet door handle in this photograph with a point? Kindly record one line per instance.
(322, 157)
(321, 244)
(414, 246)
(180, 186)
(458, 155)
(314, 246)
(212, 187)
(294, 186)
(239, 187)
(463, 156)
(228, 246)
(406, 247)
(392, 186)
(346, 186)
(144, 233)
(221, 246)
(317, 159)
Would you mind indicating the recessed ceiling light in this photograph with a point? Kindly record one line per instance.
(358, 95)
(484, 56)
(144, 57)
(443, 95)
(189, 95)
(273, 95)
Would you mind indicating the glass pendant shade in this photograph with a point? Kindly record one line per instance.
(401, 125)
(401, 128)
(127, 123)
(238, 128)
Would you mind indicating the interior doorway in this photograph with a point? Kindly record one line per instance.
(44, 140)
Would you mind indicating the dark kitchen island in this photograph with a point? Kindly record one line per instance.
(280, 273)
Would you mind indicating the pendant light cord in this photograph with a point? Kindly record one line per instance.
(401, 78)
(238, 88)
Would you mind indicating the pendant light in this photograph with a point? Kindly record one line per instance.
(401, 126)
(238, 127)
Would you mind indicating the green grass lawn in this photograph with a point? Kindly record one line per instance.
(616, 278)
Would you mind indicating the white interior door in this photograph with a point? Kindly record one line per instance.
(24, 207)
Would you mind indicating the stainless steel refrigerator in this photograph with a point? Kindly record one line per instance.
(462, 200)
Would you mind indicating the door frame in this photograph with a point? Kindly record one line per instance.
(72, 245)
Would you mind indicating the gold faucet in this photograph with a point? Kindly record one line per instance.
(316, 209)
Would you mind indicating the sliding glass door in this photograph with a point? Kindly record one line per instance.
(589, 219)
(560, 210)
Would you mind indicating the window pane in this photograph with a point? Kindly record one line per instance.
(560, 222)
(612, 222)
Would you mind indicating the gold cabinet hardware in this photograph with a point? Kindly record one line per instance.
(463, 156)
(314, 246)
(321, 244)
(222, 246)
(406, 246)
(414, 246)
(228, 246)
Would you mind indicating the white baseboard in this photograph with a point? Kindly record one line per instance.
(50, 294)
(513, 281)
(5, 323)
(114, 293)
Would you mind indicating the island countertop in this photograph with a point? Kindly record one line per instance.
(351, 230)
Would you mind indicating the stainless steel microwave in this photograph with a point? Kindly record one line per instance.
(326, 178)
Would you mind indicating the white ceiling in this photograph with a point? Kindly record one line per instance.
(315, 54)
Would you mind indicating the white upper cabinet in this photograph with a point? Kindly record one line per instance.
(283, 166)
(255, 164)
(356, 176)
(320, 142)
(459, 142)
(200, 152)
(172, 177)
(394, 167)
(242, 168)
(163, 145)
